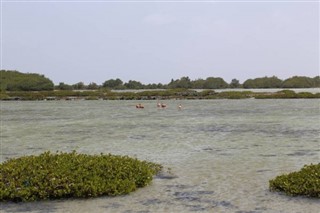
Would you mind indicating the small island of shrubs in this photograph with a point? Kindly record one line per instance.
(305, 182)
(72, 175)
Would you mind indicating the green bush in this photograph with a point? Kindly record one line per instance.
(66, 175)
(307, 95)
(11, 80)
(304, 182)
(235, 94)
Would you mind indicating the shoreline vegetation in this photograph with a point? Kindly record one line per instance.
(168, 94)
(61, 175)
(15, 85)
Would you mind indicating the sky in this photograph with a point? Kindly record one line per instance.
(155, 41)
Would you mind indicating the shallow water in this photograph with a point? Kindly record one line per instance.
(221, 153)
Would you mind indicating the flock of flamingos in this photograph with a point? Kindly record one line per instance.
(159, 105)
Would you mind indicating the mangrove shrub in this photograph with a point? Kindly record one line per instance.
(304, 182)
(16, 81)
(66, 175)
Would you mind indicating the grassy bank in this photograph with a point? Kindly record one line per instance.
(151, 95)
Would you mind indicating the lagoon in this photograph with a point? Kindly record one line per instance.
(221, 153)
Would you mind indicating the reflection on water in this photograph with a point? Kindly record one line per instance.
(222, 153)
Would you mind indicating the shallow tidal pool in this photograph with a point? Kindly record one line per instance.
(220, 154)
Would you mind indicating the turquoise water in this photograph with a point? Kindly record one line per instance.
(221, 153)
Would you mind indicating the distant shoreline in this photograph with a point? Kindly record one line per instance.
(168, 94)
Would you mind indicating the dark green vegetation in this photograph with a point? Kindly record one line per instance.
(265, 82)
(72, 175)
(219, 83)
(18, 86)
(17, 81)
(305, 182)
(286, 94)
(150, 95)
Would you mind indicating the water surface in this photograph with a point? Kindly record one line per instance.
(222, 153)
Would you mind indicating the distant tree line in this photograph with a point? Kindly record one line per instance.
(208, 83)
(17, 81)
(274, 82)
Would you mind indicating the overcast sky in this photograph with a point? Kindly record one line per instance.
(154, 42)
